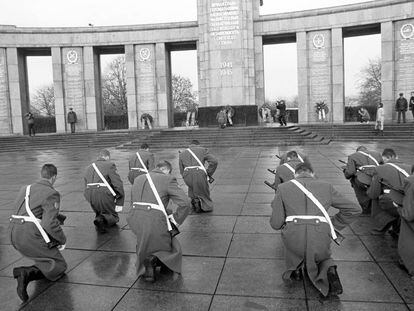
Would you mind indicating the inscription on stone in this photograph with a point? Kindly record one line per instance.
(405, 63)
(74, 83)
(226, 68)
(224, 21)
(145, 79)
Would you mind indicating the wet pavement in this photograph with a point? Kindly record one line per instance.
(233, 259)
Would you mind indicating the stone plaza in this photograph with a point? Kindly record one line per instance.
(233, 259)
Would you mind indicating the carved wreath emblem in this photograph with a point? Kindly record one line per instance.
(318, 41)
(72, 56)
(144, 54)
(407, 31)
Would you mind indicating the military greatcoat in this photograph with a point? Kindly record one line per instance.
(308, 241)
(44, 203)
(406, 237)
(148, 159)
(284, 173)
(150, 225)
(195, 178)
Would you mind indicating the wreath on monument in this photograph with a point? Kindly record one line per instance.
(321, 110)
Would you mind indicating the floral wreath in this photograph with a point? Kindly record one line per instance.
(321, 110)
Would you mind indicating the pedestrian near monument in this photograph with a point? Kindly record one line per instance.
(30, 123)
(191, 114)
(36, 232)
(146, 121)
(72, 119)
(104, 191)
(196, 176)
(411, 105)
(222, 118)
(363, 115)
(299, 210)
(143, 155)
(401, 106)
(379, 123)
(281, 106)
(230, 114)
(154, 225)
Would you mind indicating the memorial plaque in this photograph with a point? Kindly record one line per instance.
(404, 67)
(4, 95)
(74, 83)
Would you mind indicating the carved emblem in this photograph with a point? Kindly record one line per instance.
(318, 41)
(144, 54)
(407, 31)
(72, 56)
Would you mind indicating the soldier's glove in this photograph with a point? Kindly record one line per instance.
(118, 208)
(174, 225)
(61, 247)
(210, 179)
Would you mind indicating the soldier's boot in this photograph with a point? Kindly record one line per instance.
(100, 225)
(164, 269)
(297, 275)
(382, 133)
(24, 276)
(366, 207)
(335, 286)
(150, 263)
(196, 204)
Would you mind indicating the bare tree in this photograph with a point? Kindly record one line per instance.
(370, 83)
(114, 91)
(183, 96)
(43, 101)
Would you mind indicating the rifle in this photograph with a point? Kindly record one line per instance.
(272, 171)
(342, 161)
(269, 185)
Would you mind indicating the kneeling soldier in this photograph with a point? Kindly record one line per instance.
(36, 231)
(135, 167)
(286, 171)
(300, 211)
(154, 225)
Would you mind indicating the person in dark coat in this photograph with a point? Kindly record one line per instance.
(135, 167)
(286, 171)
(359, 170)
(72, 119)
(411, 105)
(401, 107)
(222, 118)
(31, 123)
(41, 244)
(306, 233)
(105, 195)
(406, 238)
(282, 112)
(386, 191)
(196, 176)
(155, 244)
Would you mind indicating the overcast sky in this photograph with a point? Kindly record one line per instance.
(52, 13)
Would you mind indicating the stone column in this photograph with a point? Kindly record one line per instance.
(338, 97)
(60, 112)
(15, 87)
(131, 87)
(387, 70)
(93, 107)
(259, 71)
(303, 82)
(5, 117)
(165, 114)
(226, 52)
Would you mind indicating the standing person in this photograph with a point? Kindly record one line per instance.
(285, 171)
(72, 119)
(222, 118)
(401, 106)
(31, 123)
(135, 166)
(146, 121)
(104, 191)
(191, 114)
(412, 103)
(230, 114)
(282, 112)
(359, 170)
(36, 232)
(149, 220)
(307, 228)
(406, 238)
(196, 176)
(379, 125)
(386, 192)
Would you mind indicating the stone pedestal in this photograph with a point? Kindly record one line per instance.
(60, 112)
(387, 70)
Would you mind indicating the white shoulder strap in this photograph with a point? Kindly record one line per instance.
(144, 168)
(289, 167)
(318, 204)
(399, 169)
(198, 160)
(103, 179)
(369, 156)
(300, 158)
(34, 219)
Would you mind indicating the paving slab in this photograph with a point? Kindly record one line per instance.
(243, 303)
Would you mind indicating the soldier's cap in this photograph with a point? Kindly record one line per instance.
(396, 196)
(401, 94)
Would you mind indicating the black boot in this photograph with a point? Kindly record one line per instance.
(150, 263)
(164, 269)
(24, 275)
(100, 224)
(61, 218)
(196, 204)
(335, 286)
(296, 275)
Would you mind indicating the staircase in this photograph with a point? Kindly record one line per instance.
(360, 132)
(228, 137)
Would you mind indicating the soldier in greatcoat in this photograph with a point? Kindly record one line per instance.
(41, 241)
(135, 166)
(196, 176)
(406, 238)
(301, 156)
(285, 171)
(306, 232)
(359, 170)
(156, 246)
(386, 191)
(105, 193)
